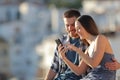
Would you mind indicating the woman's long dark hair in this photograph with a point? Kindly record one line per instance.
(89, 24)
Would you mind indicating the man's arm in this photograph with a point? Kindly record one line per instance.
(54, 67)
(113, 65)
(50, 76)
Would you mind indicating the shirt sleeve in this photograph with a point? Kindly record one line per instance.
(55, 63)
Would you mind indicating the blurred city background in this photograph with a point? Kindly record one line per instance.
(28, 29)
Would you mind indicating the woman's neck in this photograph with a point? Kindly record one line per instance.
(91, 38)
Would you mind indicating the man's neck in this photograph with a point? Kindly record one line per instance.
(74, 37)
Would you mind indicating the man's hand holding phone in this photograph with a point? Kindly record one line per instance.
(61, 48)
(58, 42)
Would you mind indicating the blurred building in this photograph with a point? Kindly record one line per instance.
(22, 32)
(105, 14)
(4, 59)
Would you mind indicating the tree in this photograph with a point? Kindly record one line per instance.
(66, 3)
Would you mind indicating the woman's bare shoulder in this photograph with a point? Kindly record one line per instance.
(101, 37)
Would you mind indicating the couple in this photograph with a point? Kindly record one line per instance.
(85, 56)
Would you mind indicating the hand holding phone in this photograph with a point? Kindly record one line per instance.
(61, 48)
(58, 42)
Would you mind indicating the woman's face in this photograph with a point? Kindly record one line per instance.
(80, 30)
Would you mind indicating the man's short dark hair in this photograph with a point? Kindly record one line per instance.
(71, 13)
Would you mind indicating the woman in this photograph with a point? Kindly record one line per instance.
(96, 55)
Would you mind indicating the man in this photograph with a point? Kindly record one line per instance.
(59, 70)
(113, 65)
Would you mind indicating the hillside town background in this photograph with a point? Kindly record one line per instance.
(28, 29)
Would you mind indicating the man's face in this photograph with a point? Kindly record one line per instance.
(70, 26)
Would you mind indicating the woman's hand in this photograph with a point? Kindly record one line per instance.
(113, 65)
(72, 47)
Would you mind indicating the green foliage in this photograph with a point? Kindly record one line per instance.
(67, 3)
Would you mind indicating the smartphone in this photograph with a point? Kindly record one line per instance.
(58, 42)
